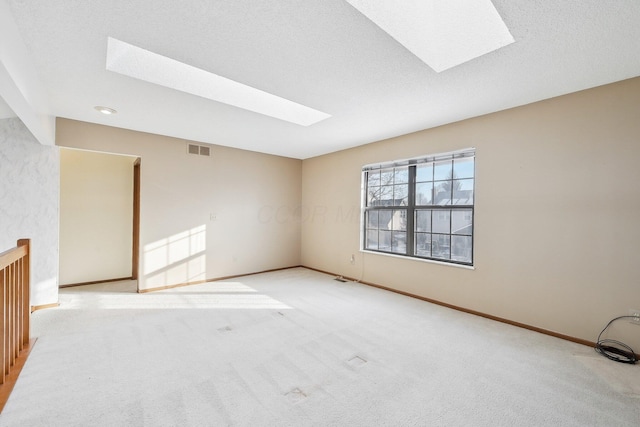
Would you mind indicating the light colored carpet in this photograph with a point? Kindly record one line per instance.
(622, 377)
(297, 348)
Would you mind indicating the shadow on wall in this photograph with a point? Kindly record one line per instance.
(180, 258)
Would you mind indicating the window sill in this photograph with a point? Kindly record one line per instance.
(429, 261)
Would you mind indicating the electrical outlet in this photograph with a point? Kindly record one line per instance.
(636, 316)
(352, 260)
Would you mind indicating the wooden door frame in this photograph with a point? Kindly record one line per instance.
(135, 261)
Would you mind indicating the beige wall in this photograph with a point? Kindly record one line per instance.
(203, 217)
(556, 223)
(96, 216)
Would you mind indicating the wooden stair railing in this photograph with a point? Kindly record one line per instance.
(15, 314)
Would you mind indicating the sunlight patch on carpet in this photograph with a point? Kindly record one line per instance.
(208, 295)
(171, 301)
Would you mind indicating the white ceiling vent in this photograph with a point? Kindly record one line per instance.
(199, 150)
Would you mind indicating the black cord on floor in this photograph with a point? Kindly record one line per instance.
(613, 349)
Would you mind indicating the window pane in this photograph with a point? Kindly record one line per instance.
(399, 242)
(399, 220)
(440, 246)
(442, 192)
(373, 178)
(463, 168)
(372, 219)
(401, 175)
(423, 221)
(372, 239)
(386, 196)
(424, 191)
(463, 192)
(462, 222)
(461, 248)
(400, 193)
(386, 176)
(384, 220)
(443, 170)
(384, 240)
(424, 172)
(442, 221)
(423, 244)
(373, 196)
(381, 196)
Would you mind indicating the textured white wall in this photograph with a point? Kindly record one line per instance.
(29, 204)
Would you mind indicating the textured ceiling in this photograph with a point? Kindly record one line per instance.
(322, 54)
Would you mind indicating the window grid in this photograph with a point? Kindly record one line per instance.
(431, 217)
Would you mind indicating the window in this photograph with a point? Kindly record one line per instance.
(421, 207)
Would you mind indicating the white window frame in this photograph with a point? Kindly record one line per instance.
(383, 185)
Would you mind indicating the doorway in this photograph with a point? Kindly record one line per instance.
(99, 217)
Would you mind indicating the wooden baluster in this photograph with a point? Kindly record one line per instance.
(15, 343)
(3, 319)
(26, 295)
(12, 314)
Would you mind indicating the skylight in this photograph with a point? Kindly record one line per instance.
(133, 61)
(442, 33)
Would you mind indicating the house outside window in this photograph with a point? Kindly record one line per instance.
(421, 207)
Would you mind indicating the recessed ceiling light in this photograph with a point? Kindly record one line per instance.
(133, 61)
(442, 33)
(105, 110)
